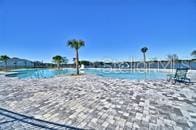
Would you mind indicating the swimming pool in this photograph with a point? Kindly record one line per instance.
(110, 73)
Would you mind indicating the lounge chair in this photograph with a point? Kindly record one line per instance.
(179, 76)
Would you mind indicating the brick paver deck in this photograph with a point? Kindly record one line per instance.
(92, 102)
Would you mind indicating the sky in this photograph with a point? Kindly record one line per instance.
(112, 29)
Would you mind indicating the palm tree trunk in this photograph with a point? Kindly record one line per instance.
(77, 62)
(144, 60)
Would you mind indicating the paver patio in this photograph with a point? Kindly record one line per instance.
(93, 102)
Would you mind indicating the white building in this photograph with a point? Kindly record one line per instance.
(16, 62)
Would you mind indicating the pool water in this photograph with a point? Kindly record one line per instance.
(129, 74)
(110, 73)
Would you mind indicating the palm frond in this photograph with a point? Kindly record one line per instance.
(77, 44)
(144, 49)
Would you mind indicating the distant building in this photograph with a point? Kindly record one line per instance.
(17, 63)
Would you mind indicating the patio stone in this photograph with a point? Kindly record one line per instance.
(92, 102)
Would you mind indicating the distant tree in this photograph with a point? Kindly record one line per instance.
(65, 60)
(144, 50)
(84, 62)
(193, 54)
(76, 44)
(4, 58)
(97, 64)
(154, 59)
(58, 60)
(173, 57)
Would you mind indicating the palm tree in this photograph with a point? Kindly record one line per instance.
(144, 50)
(193, 54)
(76, 44)
(4, 58)
(58, 60)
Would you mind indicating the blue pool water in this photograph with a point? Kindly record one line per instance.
(122, 74)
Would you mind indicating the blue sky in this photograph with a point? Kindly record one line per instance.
(112, 29)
